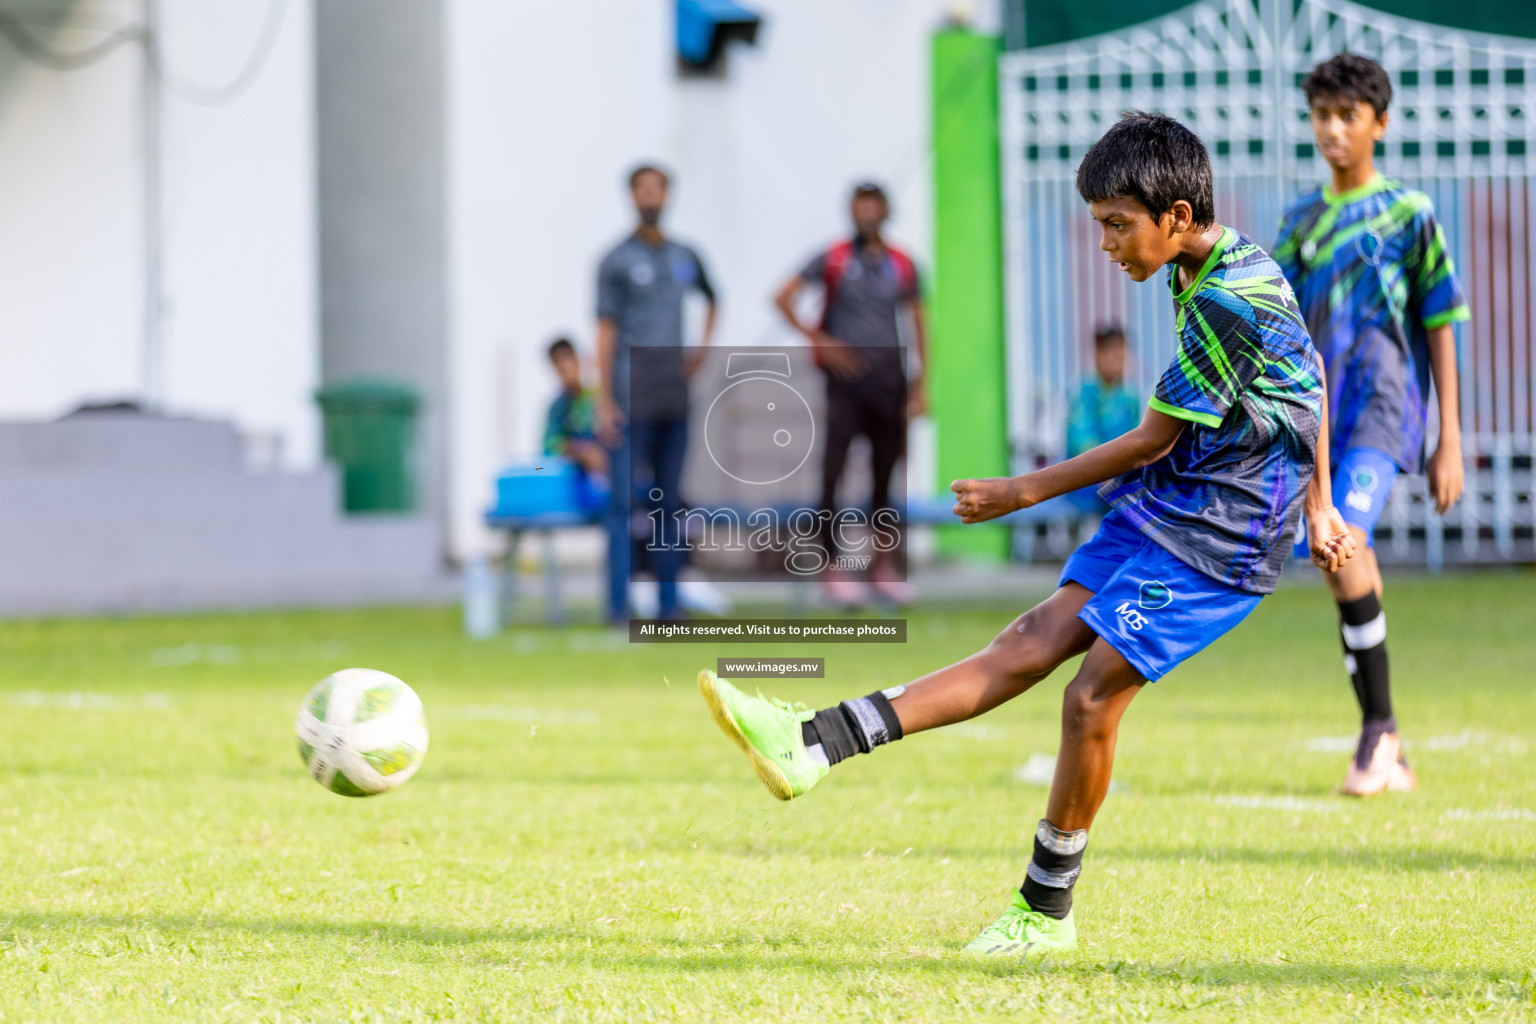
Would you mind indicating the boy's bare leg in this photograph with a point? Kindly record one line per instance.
(1359, 576)
(1016, 659)
(1091, 707)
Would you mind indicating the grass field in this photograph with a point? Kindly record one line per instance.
(582, 844)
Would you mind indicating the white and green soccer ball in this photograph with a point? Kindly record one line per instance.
(361, 732)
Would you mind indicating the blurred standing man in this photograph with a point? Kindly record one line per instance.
(642, 405)
(868, 286)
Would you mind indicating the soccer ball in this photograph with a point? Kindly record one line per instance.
(361, 732)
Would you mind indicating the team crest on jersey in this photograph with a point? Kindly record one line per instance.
(1154, 595)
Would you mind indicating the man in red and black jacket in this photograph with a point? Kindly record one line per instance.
(869, 287)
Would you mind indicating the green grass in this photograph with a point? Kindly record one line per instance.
(581, 844)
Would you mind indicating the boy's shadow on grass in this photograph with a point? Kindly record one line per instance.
(1383, 858)
(606, 949)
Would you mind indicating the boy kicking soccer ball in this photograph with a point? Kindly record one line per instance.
(1205, 495)
(1379, 294)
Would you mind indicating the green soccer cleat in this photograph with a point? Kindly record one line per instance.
(1024, 932)
(768, 732)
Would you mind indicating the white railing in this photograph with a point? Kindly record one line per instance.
(1463, 130)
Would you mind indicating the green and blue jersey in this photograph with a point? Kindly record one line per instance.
(572, 417)
(1373, 277)
(1225, 500)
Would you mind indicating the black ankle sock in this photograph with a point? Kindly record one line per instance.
(1370, 735)
(1053, 869)
(853, 727)
(833, 731)
(1364, 629)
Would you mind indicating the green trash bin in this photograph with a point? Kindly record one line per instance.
(370, 432)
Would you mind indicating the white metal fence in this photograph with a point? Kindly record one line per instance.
(1463, 130)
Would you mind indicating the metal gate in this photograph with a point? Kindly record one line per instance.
(1463, 130)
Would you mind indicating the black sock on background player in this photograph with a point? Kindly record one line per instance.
(1363, 628)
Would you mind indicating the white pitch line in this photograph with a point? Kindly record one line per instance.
(1040, 770)
(1451, 741)
(75, 701)
(1276, 803)
(972, 731)
(540, 716)
(191, 654)
(1463, 814)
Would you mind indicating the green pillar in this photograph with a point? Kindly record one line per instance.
(967, 372)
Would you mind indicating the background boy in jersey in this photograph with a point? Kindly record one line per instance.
(1206, 493)
(868, 287)
(569, 428)
(1103, 408)
(1379, 293)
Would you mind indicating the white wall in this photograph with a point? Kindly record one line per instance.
(240, 328)
(551, 104)
(241, 283)
(69, 228)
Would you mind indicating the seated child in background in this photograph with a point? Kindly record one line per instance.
(570, 431)
(1103, 409)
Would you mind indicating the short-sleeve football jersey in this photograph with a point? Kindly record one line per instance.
(1226, 498)
(1372, 277)
(640, 287)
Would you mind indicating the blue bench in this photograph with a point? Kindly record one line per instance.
(544, 524)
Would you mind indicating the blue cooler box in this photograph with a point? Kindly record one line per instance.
(552, 484)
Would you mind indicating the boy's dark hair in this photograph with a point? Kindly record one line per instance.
(1152, 159)
(560, 345)
(1107, 333)
(644, 169)
(1351, 78)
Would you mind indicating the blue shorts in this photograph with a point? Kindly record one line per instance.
(1151, 607)
(1362, 483)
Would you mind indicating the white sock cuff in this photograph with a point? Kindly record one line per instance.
(1052, 879)
(1367, 635)
(870, 722)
